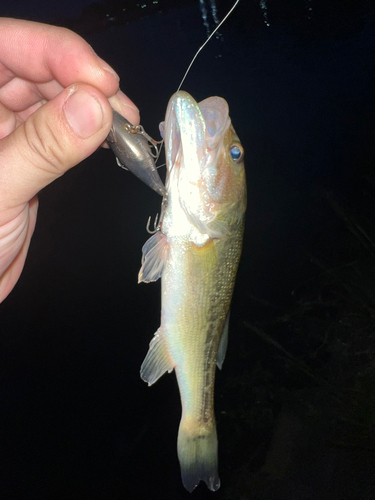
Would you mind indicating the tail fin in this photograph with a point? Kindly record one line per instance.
(198, 458)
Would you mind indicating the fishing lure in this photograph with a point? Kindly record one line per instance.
(135, 151)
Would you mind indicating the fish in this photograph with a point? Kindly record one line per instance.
(196, 250)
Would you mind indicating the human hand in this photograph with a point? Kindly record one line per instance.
(55, 110)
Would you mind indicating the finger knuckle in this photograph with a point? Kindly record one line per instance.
(45, 149)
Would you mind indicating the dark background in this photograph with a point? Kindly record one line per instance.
(76, 421)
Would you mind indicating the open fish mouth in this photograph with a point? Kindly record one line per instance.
(193, 130)
(185, 134)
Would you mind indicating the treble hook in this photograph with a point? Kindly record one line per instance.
(156, 226)
(158, 222)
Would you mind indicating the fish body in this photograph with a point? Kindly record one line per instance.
(196, 253)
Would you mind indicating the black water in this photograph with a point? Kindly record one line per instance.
(76, 421)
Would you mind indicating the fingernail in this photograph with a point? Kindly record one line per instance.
(84, 113)
(125, 101)
(108, 68)
(122, 104)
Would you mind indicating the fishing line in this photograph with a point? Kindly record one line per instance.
(205, 43)
(196, 55)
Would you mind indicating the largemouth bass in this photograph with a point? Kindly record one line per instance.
(196, 251)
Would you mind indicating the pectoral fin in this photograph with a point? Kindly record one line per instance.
(154, 256)
(223, 344)
(214, 228)
(157, 360)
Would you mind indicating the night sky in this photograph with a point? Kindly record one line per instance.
(76, 421)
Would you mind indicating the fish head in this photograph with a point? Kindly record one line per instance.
(205, 167)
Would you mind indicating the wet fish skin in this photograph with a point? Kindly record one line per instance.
(196, 253)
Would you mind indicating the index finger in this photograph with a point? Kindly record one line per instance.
(41, 53)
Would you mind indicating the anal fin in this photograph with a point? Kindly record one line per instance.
(157, 360)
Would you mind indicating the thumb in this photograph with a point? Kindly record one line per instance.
(57, 136)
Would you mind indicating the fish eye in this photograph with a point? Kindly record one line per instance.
(236, 152)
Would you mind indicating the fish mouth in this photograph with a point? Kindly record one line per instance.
(185, 134)
(194, 135)
(193, 131)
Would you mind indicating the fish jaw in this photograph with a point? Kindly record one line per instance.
(185, 131)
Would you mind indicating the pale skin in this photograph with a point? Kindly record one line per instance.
(56, 96)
